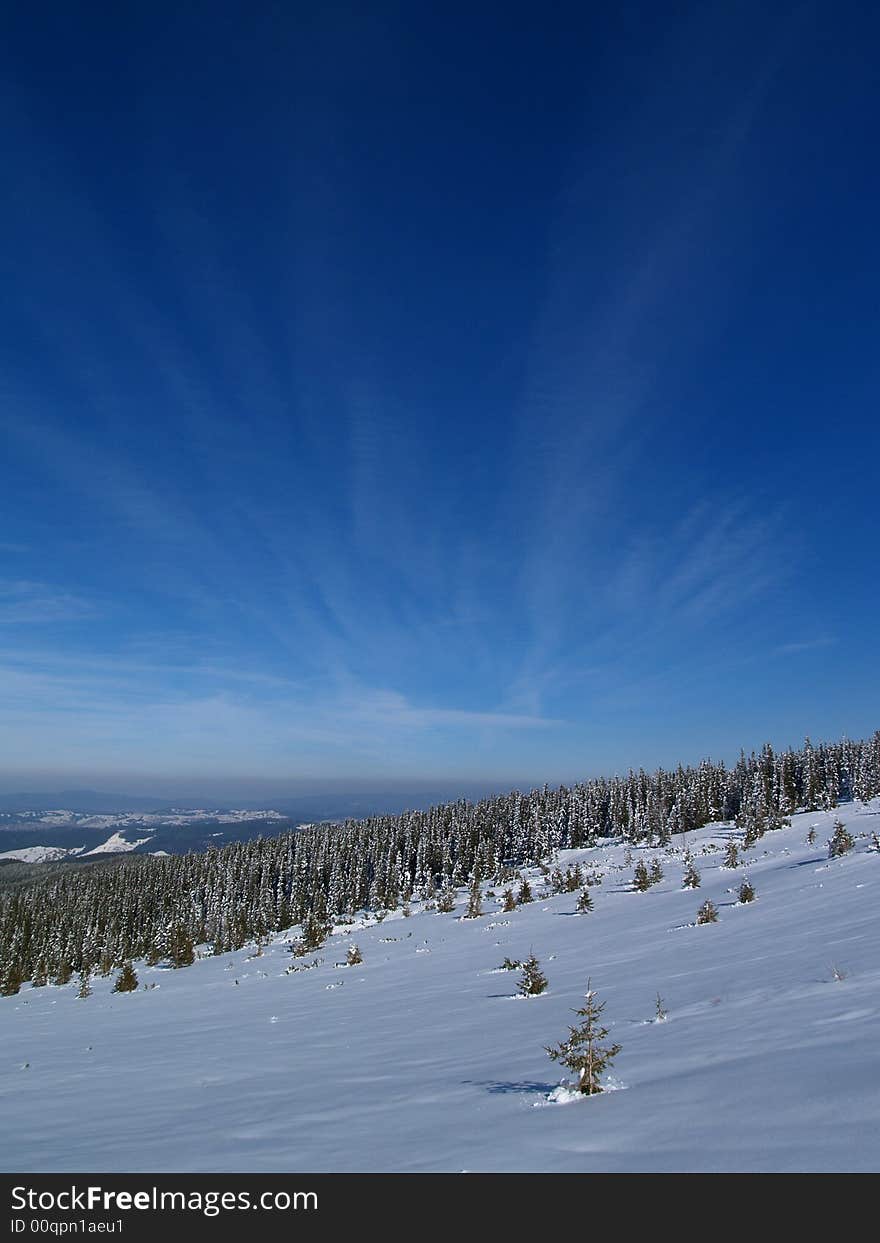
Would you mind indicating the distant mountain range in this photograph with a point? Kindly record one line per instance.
(62, 826)
(89, 801)
(327, 805)
(45, 836)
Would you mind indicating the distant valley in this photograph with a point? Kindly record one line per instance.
(56, 834)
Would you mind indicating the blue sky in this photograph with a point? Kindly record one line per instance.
(413, 391)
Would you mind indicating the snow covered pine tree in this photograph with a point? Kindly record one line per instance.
(583, 1051)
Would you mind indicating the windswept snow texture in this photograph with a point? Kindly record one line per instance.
(421, 1058)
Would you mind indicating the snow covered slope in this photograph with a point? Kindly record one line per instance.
(116, 844)
(424, 1058)
(40, 854)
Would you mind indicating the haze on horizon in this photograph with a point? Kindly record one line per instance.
(434, 399)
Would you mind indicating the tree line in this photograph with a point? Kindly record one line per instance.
(161, 909)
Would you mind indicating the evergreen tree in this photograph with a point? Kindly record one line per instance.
(181, 952)
(691, 877)
(708, 913)
(314, 932)
(574, 878)
(126, 981)
(525, 893)
(746, 892)
(509, 901)
(660, 1013)
(64, 972)
(584, 902)
(475, 899)
(731, 857)
(446, 901)
(641, 878)
(354, 956)
(532, 981)
(10, 978)
(583, 1052)
(841, 841)
(656, 873)
(85, 988)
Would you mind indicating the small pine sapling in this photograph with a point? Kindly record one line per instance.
(811, 837)
(509, 903)
(753, 833)
(841, 841)
(746, 892)
(126, 981)
(641, 879)
(691, 877)
(475, 900)
(314, 932)
(446, 901)
(584, 902)
(660, 1012)
(510, 964)
(532, 981)
(656, 873)
(731, 857)
(583, 1052)
(875, 844)
(354, 956)
(85, 988)
(708, 913)
(525, 893)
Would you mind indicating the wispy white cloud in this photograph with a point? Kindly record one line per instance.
(713, 560)
(601, 346)
(803, 645)
(28, 603)
(124, 715)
